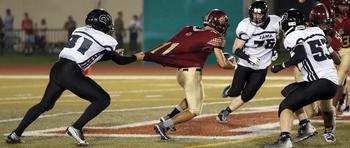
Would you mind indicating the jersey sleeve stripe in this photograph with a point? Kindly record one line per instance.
(302, 39)
(106, 46)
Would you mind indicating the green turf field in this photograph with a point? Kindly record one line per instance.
(17, 95)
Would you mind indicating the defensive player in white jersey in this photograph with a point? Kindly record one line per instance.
(255, 38)
(310, 54)
(88, 44)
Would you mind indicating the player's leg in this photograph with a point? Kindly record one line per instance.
(343, 72)
(52, 93)
(177, 109)
(328, 114)
(191, 81)
(305, 129)
(302, 96)
(240, 78)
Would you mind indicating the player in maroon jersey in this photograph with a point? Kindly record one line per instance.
(342, 26)
(187, 51)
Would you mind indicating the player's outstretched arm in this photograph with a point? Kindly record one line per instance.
(140, 56)
(222, 61)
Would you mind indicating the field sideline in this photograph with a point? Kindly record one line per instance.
(140, 95)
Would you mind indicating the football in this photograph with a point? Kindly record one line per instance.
(229, 57)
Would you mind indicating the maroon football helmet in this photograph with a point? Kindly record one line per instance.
(345, 4)
(218, 20)
(321, 15)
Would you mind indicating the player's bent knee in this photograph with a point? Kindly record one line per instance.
(247, 97)
(234, 93)
(284, 106)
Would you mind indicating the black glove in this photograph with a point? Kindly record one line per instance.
(277, 68)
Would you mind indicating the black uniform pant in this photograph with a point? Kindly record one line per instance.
(246, 82)
(300, 94)
(66, 74)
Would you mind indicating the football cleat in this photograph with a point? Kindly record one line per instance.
(222, 116)
(12, 138)
(224, 93)
(329, 137)
(305, 131)
(282, 142)
(77, 135)
(161, 130)
(162, 119)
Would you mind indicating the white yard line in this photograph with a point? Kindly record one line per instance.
(131, 109)
(137, 77)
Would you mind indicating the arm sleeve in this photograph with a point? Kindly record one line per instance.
(240, 53)
(299, 56)
(121, 60)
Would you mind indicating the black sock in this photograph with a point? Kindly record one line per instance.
(175, 111)
(228, 109)
(285, 135)
(304, 121)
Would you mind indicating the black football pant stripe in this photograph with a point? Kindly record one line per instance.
(66, 75)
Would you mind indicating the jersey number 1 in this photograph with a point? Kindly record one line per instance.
(83, 47)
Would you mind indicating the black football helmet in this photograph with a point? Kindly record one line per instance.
(291, 19)
(259, 7)
(218, 20)
(100, 19)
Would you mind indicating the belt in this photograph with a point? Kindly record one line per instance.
(186, 69)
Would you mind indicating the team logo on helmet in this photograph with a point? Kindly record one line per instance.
(103, 18)
(222, 20)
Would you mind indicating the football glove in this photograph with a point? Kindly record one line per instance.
(253, 60)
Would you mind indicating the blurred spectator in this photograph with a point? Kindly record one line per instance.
(134, 28)
(70, 25)
(119, 30)
(2, 34)
(8, 22)
(41, 34)
(27, 27)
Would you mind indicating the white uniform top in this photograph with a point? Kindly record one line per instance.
(318, 63)
(259, 41)
(87, 46)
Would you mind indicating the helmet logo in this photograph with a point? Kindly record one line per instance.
(103, 18)
(257, 10)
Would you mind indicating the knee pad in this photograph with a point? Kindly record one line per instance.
(284, 105)
(234, 93)
(247, 96)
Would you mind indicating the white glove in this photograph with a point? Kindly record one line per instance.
(274, 55)
(253, 60)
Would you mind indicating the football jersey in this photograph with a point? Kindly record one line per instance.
(318, 63)
(87, 45)
(335, 40)
(344, 30)
(259, 41)
(190, 47)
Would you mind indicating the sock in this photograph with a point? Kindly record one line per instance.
(303, 122)
(228, 109)
(169, 123)
(285, 135)
(175, 111)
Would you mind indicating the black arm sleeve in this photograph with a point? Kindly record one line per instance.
(239, 52)
(121, 60)
(299, 56)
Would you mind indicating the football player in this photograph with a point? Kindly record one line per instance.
(323, 17)
(87, 45)
(256, 36)
(187, 51)
(342, 26)
(309, 52)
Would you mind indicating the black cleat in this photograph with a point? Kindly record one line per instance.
(77, 135)
(305, 131)
(224, 93)
(12, 138)
(161, 130)
(222, 116)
